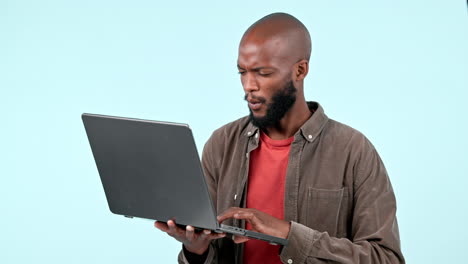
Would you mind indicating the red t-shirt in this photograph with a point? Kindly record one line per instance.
(265, 192)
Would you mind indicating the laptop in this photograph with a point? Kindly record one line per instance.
(152, 170)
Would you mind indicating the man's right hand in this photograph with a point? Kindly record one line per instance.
(196, 243)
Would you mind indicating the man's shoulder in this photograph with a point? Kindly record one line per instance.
(341, 133)
(231, 130)
(341, 129)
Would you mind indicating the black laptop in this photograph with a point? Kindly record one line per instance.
(152, 170)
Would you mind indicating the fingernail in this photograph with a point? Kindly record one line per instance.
(207, 232)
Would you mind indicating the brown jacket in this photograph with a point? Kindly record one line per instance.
(338, 196)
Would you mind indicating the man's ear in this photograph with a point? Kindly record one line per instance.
(301, 70)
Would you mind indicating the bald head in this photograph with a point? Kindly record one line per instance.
(288, 36)
(273, 61)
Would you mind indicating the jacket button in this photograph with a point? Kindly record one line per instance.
(290, 261)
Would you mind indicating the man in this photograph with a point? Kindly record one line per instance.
(287, 170)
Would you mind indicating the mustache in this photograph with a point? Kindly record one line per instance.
(258, 98)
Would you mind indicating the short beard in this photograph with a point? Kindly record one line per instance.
(281, 103)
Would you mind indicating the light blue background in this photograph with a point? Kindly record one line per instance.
(395, 70)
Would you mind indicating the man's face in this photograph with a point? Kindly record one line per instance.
(280, 104)
(266, 79)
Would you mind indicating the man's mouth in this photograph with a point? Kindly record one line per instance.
(254, 104)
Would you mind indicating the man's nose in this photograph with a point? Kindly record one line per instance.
(250, 83)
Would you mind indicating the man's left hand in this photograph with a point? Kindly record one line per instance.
(261, 222)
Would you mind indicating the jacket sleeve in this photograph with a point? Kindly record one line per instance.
(374, 230)
(209, 259)
(210, 170)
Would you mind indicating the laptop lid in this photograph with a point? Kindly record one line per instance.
(150, 170)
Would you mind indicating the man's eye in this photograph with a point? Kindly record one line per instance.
(241, 72)
(265, 73)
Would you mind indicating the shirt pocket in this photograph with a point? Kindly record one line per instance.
(323, 209)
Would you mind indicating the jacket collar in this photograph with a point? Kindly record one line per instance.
(309, 130)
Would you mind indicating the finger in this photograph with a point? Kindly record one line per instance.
(189, 233)
(239, 239)
(205, 234)
(244, 215)
(173, 229)
(171, 224)
(229, 213)
(161, 226)
(214, 235)
(255, 220)
(248, 216)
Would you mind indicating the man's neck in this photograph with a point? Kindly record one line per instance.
(291, 122)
